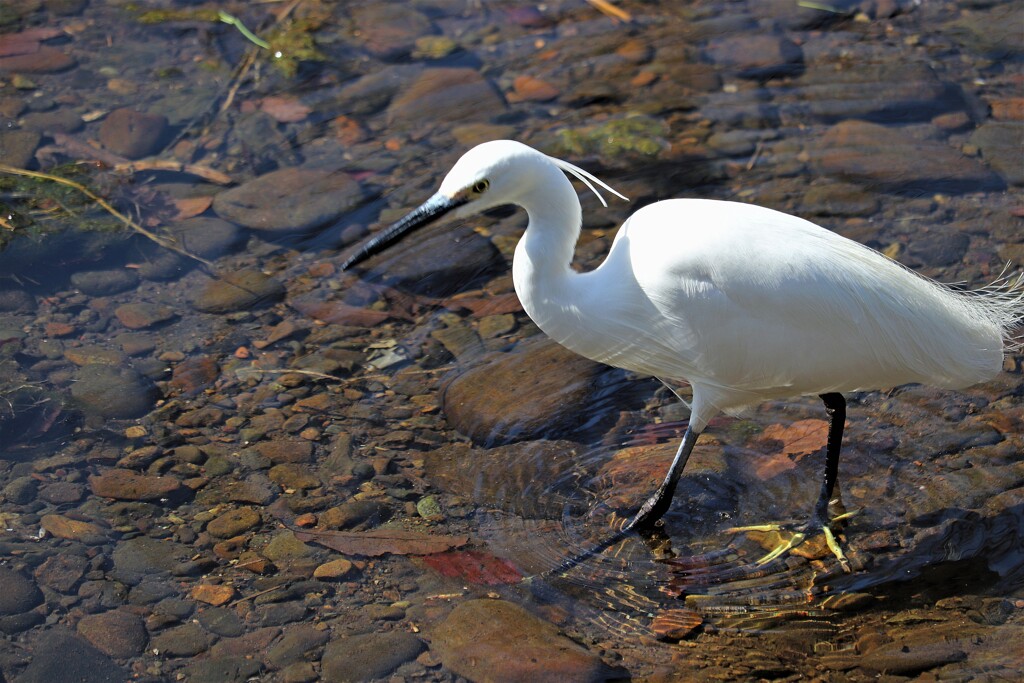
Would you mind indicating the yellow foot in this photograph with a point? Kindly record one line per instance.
(786, 537)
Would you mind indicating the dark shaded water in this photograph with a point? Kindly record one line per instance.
(187, 416)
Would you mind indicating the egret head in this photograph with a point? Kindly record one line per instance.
(489, 175)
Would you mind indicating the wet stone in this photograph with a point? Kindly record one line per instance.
(222, 621)
(62, 492)
(18, 147)
(194, 374)
(368, 656)
(118, 633)
(186, 640)
(539, 389)
(14, 300)
(113, 392)
(290, 200)
(131, 133)
(140, 316)
(294, 476)
(19, 594)
(128, 485)
(390, 31)
(281, 613)
(294, 644)
(73, 529)
(61, 572)
(877, 155)
(137, 557)
(45, 60)
(1000, 144)
(238, 291)
(206, 236)
(480, 637)
(353, 514)
(222, 670)
(77, 661)
(21, 490)
(286, 450)
(449, 94)
(234, 522)
(104, 282)
(284, 546)
(757, 56)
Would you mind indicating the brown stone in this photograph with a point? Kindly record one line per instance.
(448, 94)
(194, 374)
(234, 522)
(211, 594)
(493, 640)
(139, 316)
(45, 60)
(73, 529)
(131, 133)
(127, 485)
(286, 450)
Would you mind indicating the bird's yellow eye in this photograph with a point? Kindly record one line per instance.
(480, 186)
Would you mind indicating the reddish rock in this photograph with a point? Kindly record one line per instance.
(530, 89)
(127, 485)
(45, 60)
(194, 374)
(62, 572)
(238, 291)
(58, 329)
(139, 316)
(132, 134)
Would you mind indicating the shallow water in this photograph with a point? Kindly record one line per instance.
(180, 437)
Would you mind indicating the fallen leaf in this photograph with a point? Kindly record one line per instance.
(382, 542)
(285, 109)
(190, 207)
(475, 567)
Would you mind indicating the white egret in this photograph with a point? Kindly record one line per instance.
(742, 302)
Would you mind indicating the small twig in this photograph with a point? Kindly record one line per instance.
(162, 241)
(204, 172)
(608, 9)
(757, 153)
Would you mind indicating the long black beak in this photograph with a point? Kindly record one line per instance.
(430, 210)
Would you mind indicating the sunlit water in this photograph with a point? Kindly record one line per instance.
(677, 102)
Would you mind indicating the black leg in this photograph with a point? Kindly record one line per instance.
(835, 406)
(649, 513)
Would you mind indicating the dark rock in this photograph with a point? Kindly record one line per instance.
(538, 389)
(21, 490)
(19, 594)
(137, 557)
(439, 261)
(194, 374)
(495, 640)
(368, 656)
(113, 392)
(238, 291)
(839, 199)
(18, 147)
(14, 300)
(118, 633)
(61, 572)
(936, 248)
(1001, 144)
(445, 94)
(893, 90)
(294, 644)
(45, 60)
(354, 513)
(389, 31)
(60, 656)
(891, 159)
(206, 236)
(994, 33)
(186, 640)
(281, 613)
(222, 621)
(222, 670)
(62, 492)
(757, 56)
(290, 200)
(131, 133)
(56, 121)
(104, 282)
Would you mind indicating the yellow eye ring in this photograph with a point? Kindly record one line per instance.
(480, 186)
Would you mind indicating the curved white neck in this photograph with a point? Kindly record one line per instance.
(541, 268)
